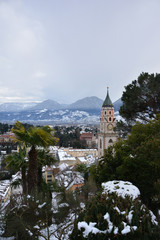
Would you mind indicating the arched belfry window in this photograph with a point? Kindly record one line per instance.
(110, 141)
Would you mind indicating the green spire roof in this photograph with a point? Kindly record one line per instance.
(107, 101)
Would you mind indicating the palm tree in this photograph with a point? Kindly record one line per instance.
(18, 161)
(44, 158)
(33, 137)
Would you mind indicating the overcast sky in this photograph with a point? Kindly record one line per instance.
(69, 49)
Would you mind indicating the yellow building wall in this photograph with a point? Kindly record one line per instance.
(49, 176)
(81, 152)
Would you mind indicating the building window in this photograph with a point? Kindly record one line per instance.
(110, 119)
(49, 176)
(49, 173)
(110, 112)
(110, 141)
(48, 180)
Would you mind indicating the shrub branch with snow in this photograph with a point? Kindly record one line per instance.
(116, 213)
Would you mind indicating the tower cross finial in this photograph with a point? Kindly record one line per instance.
(107, 90)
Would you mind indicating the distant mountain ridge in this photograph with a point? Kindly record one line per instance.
(82, 104)
(47, 104)
(87, 103)
(86, 110)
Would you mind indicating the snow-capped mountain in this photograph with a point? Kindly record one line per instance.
(84, 111)
(51, 117)
(82, 104)
(87, 103)
(48, 104)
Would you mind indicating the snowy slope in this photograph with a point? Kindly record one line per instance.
(86, 110)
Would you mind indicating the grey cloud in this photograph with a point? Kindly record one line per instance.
(65, 50)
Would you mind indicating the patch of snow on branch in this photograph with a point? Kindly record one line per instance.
(121, 188)
(117, 209)
(64, 205)
(42, 205)
(153, 217)
(110, 224)
(128, 228)
(130, 216)
(89, 228)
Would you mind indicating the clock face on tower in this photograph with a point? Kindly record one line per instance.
(110, 126)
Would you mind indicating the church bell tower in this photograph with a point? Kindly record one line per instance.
(107, 135)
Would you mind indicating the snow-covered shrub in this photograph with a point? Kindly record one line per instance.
(27, 215)
(116, 213)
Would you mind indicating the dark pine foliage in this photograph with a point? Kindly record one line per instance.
(141, 98)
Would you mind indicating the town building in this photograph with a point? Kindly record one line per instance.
(69, 179)
(5, 191)
(6, 138)
(68, 158)
(89, 138)
(65, 157)
(65, 176)
(81, 152)
(49, 174)
(107, 135)
(72, 156)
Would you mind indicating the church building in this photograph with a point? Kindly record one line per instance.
(107, 135)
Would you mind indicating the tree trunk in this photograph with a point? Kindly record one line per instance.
(39, 177)
(33, 170)
(24, 180)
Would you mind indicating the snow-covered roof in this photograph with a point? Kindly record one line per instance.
(63, 166)
(82, 159)
(63, 156)
(13, 151)
(121, 188)
(16, 176)
(4, 188)
(82, 150)
(68, 178)
(3, 152)
(89, 159)
(53, 149)
(76, 181)
(49, 168)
